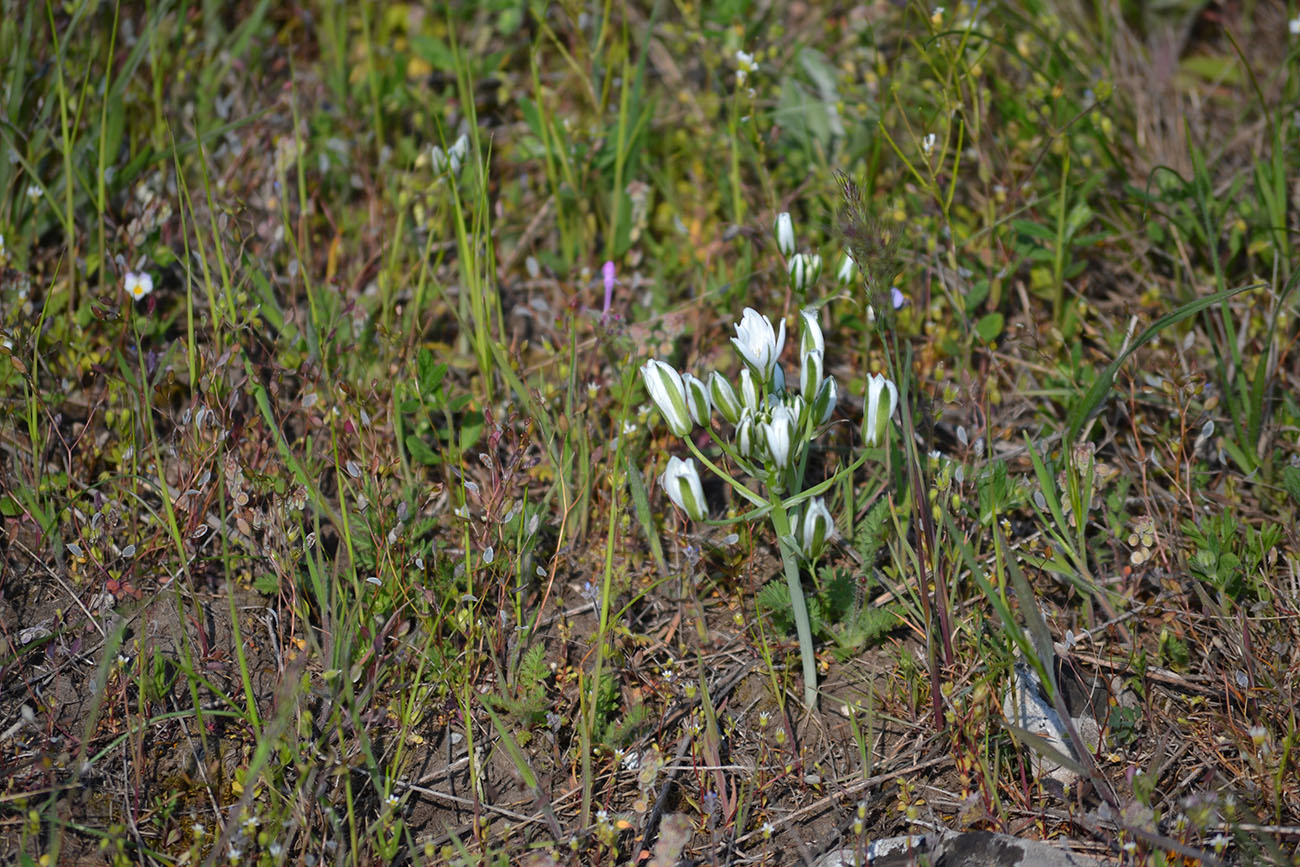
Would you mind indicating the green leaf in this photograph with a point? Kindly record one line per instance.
(989, 326)
(429, 373)
(420, 451)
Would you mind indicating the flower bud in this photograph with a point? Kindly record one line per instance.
(784, 234)
(668, 392)
(882, 400)
(811, 336)
(800, 273)
(697, 399)
(810, 374)
(681, 482)
(816, 528)
(749, 395)
(824, 404)
(847, 271)
(724, 397)
(745, 435)
(798, 411)
(779, 435)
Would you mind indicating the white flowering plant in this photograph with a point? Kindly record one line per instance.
(773, 420)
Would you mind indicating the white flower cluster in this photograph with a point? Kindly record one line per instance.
(772, 424)
(804, 269)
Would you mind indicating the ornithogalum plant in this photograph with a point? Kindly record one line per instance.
(772, 426)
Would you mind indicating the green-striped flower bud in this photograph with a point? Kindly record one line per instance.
(824, 404)
(749, 394)
(697, 400)
(810, 374)
(810, 337)
(784, 233)
(724, 397)
(681, 482)
(816, 528)
(668, 392)
(882, 400)
(847, 271)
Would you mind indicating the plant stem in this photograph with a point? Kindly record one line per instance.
(798, 607)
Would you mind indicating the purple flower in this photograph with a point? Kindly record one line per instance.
(608, 271)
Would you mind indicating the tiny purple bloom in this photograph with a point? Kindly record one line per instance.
(897, 298)
(608, 271)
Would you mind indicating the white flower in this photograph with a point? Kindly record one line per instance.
(34, 192)
(816, 528)
(757, 342)
(138, 285)
(882, 400)
(785, 234)
(927, 144)
(681, 482)
(1294, 26)
(848, 268)
(745, 65)
(724, 397)
(668, 392)
(778, 434)
(697, 399)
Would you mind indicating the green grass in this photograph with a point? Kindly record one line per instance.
(346, 542)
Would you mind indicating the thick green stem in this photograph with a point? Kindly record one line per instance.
(798, 607)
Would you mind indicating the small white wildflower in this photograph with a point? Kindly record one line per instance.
(927, 144)
(768, 830)
(34, 193)
(1294, 26)
(199, 830)
(392, 800)
(138, 285)
(745, 65)
(629, 428)
(602, 817)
